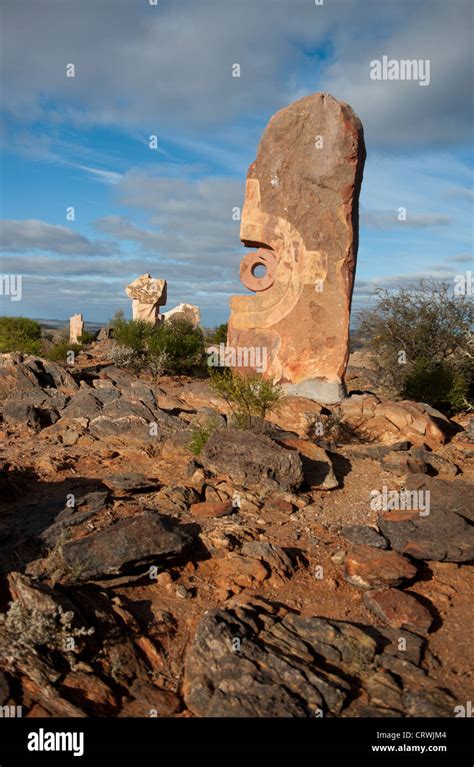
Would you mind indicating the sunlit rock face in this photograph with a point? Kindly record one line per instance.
(147, 294)
(187, 312)
(76, 328)
(300, 216)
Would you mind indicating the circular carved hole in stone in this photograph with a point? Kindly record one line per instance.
(259, 271)
(251, 267)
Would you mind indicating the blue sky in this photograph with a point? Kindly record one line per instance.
(167, 70)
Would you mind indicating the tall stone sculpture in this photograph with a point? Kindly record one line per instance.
(76, 328)
(148, 294)
(301, 213)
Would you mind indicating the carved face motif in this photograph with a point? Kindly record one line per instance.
(282, 254)
(300, 216)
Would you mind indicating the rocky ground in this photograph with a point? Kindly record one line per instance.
(138, 579)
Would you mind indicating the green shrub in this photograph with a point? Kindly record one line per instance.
(250, 398)
(87, 337)
(173, 346)
(420, 341)
(179, 346)
(438, 384)
(218, 335)
(133, 334)
(201, 434)
(19, 334)
(59, 352)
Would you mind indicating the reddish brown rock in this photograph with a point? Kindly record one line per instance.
(370, 568)
(301, 212)
(212, 508)
(87, 690)
(150, 701)
(401, 463)
(317, 467)
(391, 422)
(296, 414)
(399, 609)
(236, 570)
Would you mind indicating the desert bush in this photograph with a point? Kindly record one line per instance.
(333, 429)
(126, 357)
(87, 337)
(437, 383)
(174, 346)
(250, 398)
(201, 433)
(27, 629)
(217, 335)
(417, 335)
(131, 334)
(20, 334)
(59, 352)
(183, 345)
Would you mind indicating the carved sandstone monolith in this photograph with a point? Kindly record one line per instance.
(187, 312)
(76, 328)
(148, 295)
(301, 213)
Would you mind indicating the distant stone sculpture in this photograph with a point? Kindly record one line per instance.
(187, 312)
(301, 212)
(76, 328)
(148, 294)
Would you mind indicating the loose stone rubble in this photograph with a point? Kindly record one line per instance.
(252, 579)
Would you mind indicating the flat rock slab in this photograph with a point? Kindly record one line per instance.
(212, 509)
(248, 660)
(364, 535)
(130, 481)
(401, 463)
(369, 568)
(445, 534)
(131, 544)
(248, 458)
(399, 609)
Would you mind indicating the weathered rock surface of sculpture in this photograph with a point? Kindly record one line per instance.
(147, 294)
(76, 328)
(301, 213)
(187, 312)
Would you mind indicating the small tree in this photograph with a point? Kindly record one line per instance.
(421, 343)
(250, 398)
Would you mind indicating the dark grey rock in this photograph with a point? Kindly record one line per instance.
(131, 481)
(248, 661)
(248, 458)
(132, 544)
(365, 535)
(84, 404)
(445, 534)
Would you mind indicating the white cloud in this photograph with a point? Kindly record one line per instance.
(28, 235)
(169, 68)
(375, 219)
